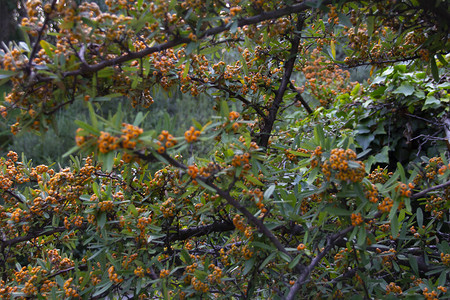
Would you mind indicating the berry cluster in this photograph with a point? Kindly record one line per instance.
(165, 141)
(191, 135)
(393, 288)
(356, 219)
(339, 164)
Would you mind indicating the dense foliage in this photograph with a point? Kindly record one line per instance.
(303, 184)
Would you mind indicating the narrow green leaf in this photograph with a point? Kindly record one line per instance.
(267, 260)
(434, 69)
(248, 266)
(419, 217)
(253, 180)
(268, 193)
(414, 265)
(104, 288)
(333, 50)
(295, 261)
(186, 68)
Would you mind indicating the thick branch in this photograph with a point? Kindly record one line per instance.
(185, 234)
(30, 236)
(285, 80)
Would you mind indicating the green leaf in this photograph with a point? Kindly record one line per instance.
(93, 116)
(106, 72)
(267, 260)
(47, 48)
(253, 180)
(101, 219)
(333, 50)
(185, 257)
(186, 68)
(295, 261)
(419, 217)
(285, 256)
(405, 88)
(248, 266)
(414, 265)
(224, 110)
(103, 288)
(108, 161)
(383, 155)
(434, 69)
(362, 236)
(370, 25)
(394, 225)
(263, 246)
(336, 211)
(268, 193)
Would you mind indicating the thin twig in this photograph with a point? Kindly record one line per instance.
(433, 188)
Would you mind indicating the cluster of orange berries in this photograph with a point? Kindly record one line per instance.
(113, 275)
(356, 219)
(445, 258)
(191, 135)
(246, 252)
(404, 189)
(193, 171)
(339, 163)
(216, 275)
(433, 295)
(69, 290)
(371, 193)
(139, 271)
(291, 156)
(433, 167)
(127, 260)
(387, 256)
(386, 205)
(76, 221)
(164, 273)
(224, 257)
(106, 205)
(165, 141)
(393, 288)
(239, 223)
(258, 196)
(241, 160)
(168, 208)
(379, 175)
(198, 285)
(324, 80)
(315, 157)
(107, 142)
(442, 169)
(233, 115)
(333, 16)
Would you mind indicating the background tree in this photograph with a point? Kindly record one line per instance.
(302, 184)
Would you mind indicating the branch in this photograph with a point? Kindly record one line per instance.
(89, 69)
(185, 234)
(306, 271)
(30, 236)
(299, 97)
(285, 80)
(426, 191)
(225, 195)
(41, 31)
